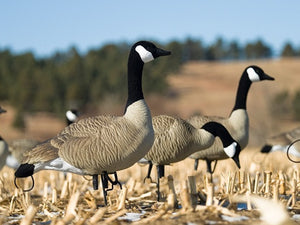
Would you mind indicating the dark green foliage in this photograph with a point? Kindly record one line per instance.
(258, 50)
(69, 78)
(288, 50)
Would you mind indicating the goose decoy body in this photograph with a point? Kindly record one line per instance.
(4, 152)
(176, 139)
(237, 123)
(102, 144)
(71, 116)
(283, 142)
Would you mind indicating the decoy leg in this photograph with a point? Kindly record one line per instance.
(105, 179)
(196, 164)
(104, 186)
(160, 173)
(115, 182)
(149, 172)
(215, 165)
(95, 181)
(209, 170)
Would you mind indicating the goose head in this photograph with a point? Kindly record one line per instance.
(147, 51)
(2, 110)
(233, 151)
(256, 74)
(71, 116)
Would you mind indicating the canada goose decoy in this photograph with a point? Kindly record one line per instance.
(237, 123)
(102, 144)
(72, 116)
(4, 152)
(176, 139)
(287, 142)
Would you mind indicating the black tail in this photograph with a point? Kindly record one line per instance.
(266, 149)
(24, 170)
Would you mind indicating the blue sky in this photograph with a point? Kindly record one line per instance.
(47, 26)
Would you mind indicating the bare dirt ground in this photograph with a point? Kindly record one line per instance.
(200, 87)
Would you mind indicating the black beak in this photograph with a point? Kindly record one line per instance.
(268, 77)
(266, 149)
(237, 160)
(161, 52)
(2, 110)
(25, 170)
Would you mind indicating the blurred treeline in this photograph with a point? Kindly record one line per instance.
(69, 78)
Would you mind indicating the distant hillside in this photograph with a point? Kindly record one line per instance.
(200, 87)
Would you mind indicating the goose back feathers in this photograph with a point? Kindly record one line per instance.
(176, 139)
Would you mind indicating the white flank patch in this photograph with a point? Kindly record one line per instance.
(253, 76)
(292, 151)
(71, 116)
(58, 165)
(145, 55)
(231, 149)
(143, 161)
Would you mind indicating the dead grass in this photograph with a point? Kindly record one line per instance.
(70, 199)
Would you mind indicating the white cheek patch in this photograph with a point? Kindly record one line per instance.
(230, 150)
(145, 55)
(253, 76)
(71, 116)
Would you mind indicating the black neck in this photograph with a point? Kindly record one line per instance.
(135, 70)
(69, 122)
(242, 92)
(219, 130)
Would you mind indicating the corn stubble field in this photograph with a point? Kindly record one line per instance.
(189, 197)
(264, 191)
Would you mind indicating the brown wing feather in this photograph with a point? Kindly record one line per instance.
(41, 153)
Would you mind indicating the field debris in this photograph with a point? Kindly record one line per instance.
(232, 196)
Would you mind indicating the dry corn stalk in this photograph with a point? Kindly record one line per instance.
(249, 182)
(64, 190)
(98, 215)
(241, 177)
(45, 192)
(210, 194)
(276, 191)
(193, 190)
(185, 197)
(29, 215)
(281, 183)
(268, 182)
(171, 201)
(255, 189)
(71, 208)
(172, 189)
(123, 198)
